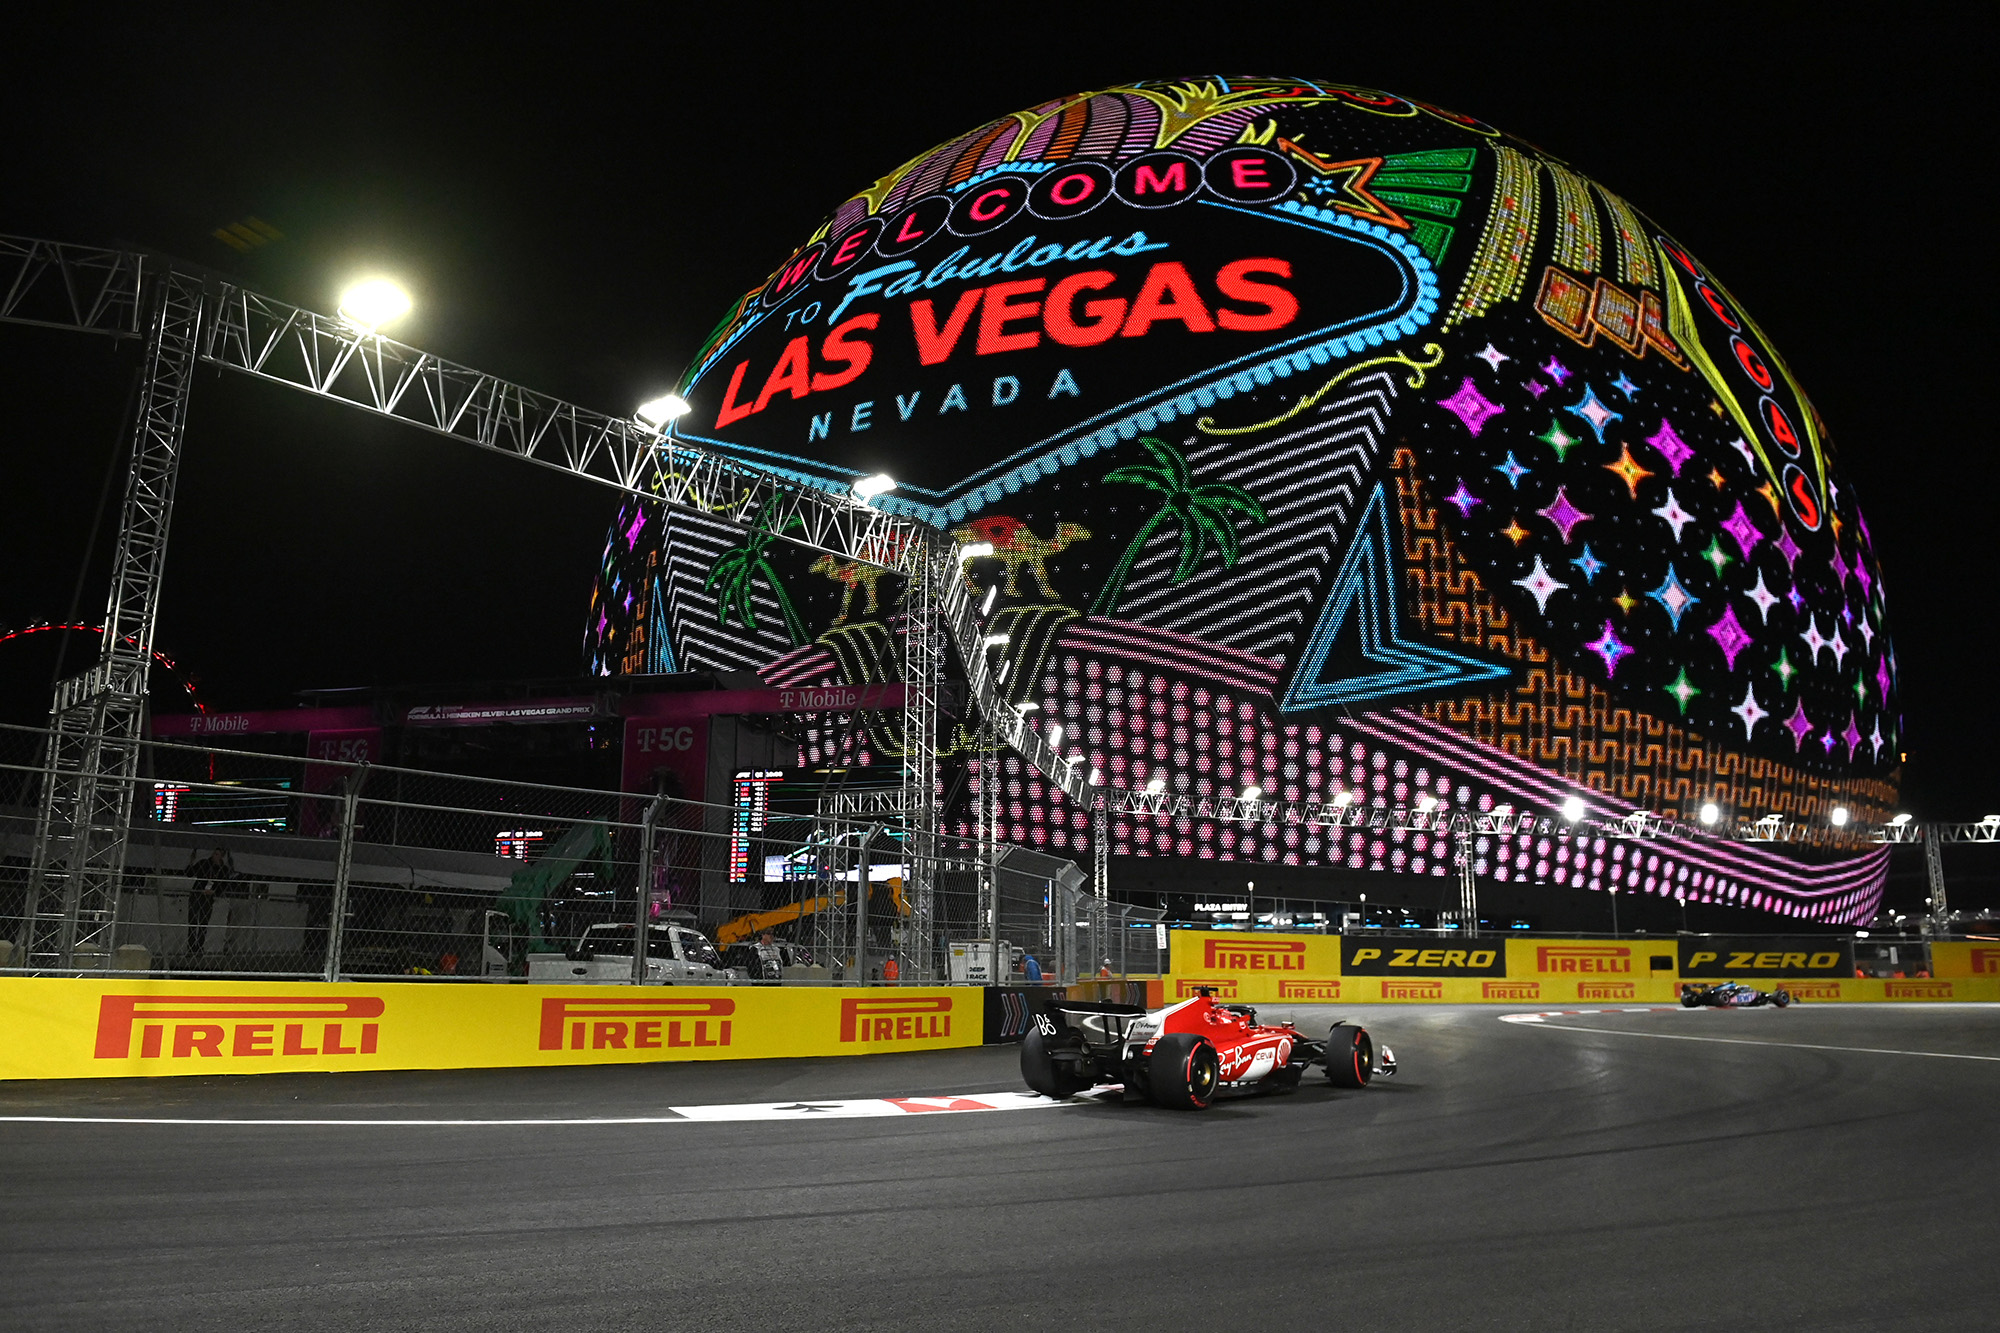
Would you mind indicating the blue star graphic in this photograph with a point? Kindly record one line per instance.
(1625, 386)
(1588, 563)
(1512, 470)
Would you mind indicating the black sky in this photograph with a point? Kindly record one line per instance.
(574, 204)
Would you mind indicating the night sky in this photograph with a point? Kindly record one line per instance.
(575, 205)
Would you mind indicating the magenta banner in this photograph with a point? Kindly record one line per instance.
(805, 699)
(264, 722)
(516, 710)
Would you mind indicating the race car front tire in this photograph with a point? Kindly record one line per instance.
(1781, 998)
(1689, 1001)
(1183, 1071)
(1350, 1057)
(1045, 1074)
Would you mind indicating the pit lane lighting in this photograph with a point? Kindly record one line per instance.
(1156, 786)
(654, 414)
(1710, 812)
(986, 607)
(1839, 816)
(881, 483)
(1055, 736)
(1573, 809)
(370, 304)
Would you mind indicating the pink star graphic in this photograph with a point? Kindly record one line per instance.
(1852, 736)
(1671, 446)
(1556, 371)
(1730, 636)
(638, 526)
(1840, 570)
(1611, 648)
(1472, 407)
(1799, 725)
(1787, 547)
(1564, 515)
(1535, 387)
(1739, 526)
(1882, 679)
(1463, 499)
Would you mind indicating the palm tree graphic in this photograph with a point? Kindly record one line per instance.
(737, 569)
(1204, 513)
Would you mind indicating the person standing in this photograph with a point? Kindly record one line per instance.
(1031, 971)
(208, 874)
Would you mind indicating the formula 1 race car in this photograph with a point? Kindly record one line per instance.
(1730, 995)
(1185, 1054)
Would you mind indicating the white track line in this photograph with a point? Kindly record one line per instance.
(1745, 1041)
(824, 1109)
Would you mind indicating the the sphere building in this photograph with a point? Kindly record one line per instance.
(1327, 442)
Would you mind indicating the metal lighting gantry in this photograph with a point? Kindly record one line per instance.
(186, 319)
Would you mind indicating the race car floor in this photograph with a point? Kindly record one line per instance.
(1825, 1167)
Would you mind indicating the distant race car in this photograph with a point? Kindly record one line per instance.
(1186, 1054)
(1730, 995)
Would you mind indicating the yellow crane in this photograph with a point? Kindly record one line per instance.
(752, 924)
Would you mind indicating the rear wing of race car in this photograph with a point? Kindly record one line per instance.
(1099, 1024)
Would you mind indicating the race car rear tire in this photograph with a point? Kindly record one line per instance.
(1042, 1072)
(1350, 1057)
(1689, 1001)
(1183, 1071)
(1781, 998)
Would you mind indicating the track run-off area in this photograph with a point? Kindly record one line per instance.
(1822, 1167)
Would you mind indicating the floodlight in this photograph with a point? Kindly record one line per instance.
(994, 640)
(656, 413)
(1839, 816)
(1991, 819)
(869, 487)
(974, 550)
(1573, 809)
(1055, 736)
(1426, 802)
(1252, 793)
(1900, 820)
(1156, 786)
(370, 304)
(1710, 812)
(1343, 798)
(986, 606)
(1096, 777)
(1028, 707)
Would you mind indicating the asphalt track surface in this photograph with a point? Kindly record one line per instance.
(1827, 1167)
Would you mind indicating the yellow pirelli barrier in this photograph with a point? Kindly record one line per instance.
(67, 1028)
(1302, 969)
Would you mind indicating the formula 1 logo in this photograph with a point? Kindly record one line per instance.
(1607, 990)
(635, 1025)
(1413, 990)
(1916, 990)
(1582, 958)
(236, 1025)
(1188, 987)
(1310, 990)
(1255, 955)
(1510, 990)
(915, 1018)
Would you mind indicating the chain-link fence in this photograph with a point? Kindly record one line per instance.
(247, 864)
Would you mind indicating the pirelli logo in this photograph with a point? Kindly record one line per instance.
(1985, 961)
(1413, 990)
(1607, 990)
(1582, 958)
(184, 1027)
(895, 1018)
(1310, 990)
(1916, 990)
(1813, 990)
(1510, 990)
(1188, 987)
(635, 1025)
(1254, 955)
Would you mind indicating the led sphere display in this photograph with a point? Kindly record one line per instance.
(1325, 442)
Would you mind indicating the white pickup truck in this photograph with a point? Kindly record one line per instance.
(674, 955)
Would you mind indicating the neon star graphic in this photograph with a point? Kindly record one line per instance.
(1751, 713)
(1867, 632)
(1558, 439)
(1512, 470)
(1471, 406)
(1783, 666)
(1715, 406)
(1591, 409)
(1563, 514)
(1671, 446)
(1829, 740)
(1730, 636)
(1542, 584)
(1627, 470)
(1882, 680)
(1840, 569)
(1771, 499)
(1741, 446)
(1799, 725)
(1716, 479)
(1715, 555)
(1792, 595)
(1683, 691)
(1677, 518)
(1674, 597)
(1463, 500)
(1625, 386)
(1588, 563)
(638, 526)
(1867, 580)
(1611, 648)
(1514, 532)
(1535, 388)
(1839, 647)
(1624, 601)
(1746, 533)
(1814, 639)
(1763, 598)
(1787, 547)
(1875, 737)
(1556, 371)
(1860, 693)
(1493, 356)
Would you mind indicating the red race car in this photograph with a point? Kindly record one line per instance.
(1188, 1053)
